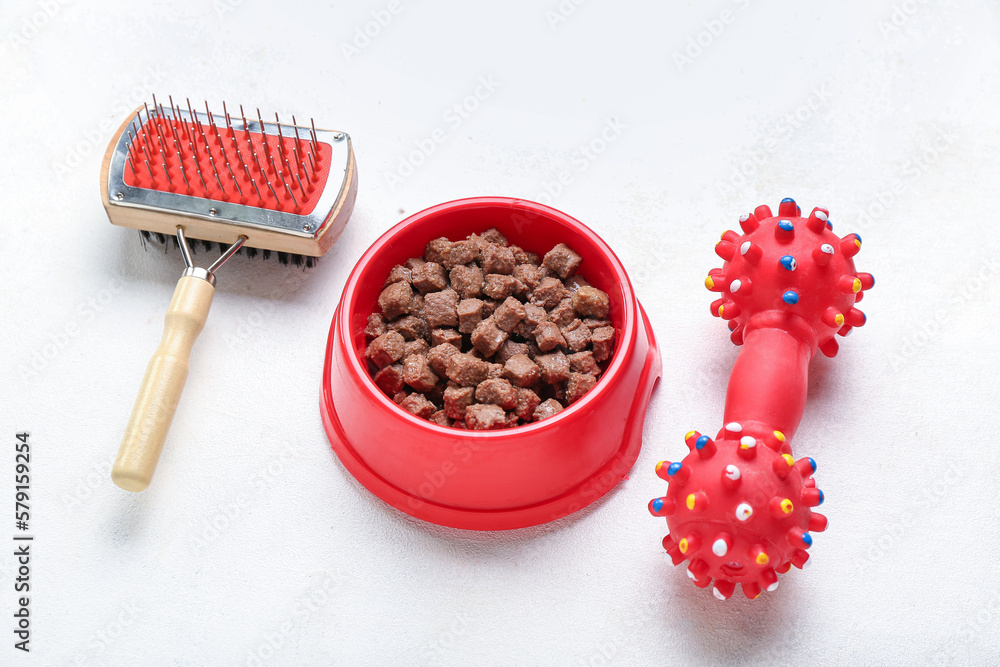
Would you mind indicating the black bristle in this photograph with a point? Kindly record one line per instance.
(223, 247)
(266, 254)
(251, 252)
(207, 245)
(311, 262)
(160, 238)
(283, 257)
(177, 244)
(297, 260)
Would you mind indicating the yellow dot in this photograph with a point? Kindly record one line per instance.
(659, 465)
(857, 285)
(857, 241)
(721, 307)
(683, 545)
(709, 283)
(690, 434)
(780, 436)
(839, 319)
(786, 506)
(788, 459)
(690, 501)
(762, 559)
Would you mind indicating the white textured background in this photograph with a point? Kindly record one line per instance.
(254, 546)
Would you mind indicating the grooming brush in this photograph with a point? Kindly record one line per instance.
(176, 172)
(740, 508)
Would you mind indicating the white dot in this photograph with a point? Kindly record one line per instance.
(773, 587)
(734, 286)
(691, 576)
(744, 217)
(744, 511)
(827, 248)
(745, 247)
(748, 442)
(717, 594)
(720, 548)
(734, 427)
(821, 215)
(732, 472)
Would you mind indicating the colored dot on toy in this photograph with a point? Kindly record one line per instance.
(821, 498)
(674, 468)
(788, 459)
(709, 283)
(856, 285)
(690, 501)
(787, 506)
(791, 297)
(734, 427)
(720, 548)
(787, 200)
(762, 559)
(734, 286)
(683, 545)
(659, 465)
(786, 225)
(812, 463)
(807, 538)
(744, 247)
(657, 504)
(732, 472)
(839, 319)
(747, 442)
(821, 215)
(689, 434)
(829, 224)
(744, 217)
(780, 436)
(788, 262)
(773, 587)
(718, 594)
(744, 511)
(691, 574)
(827, 248)
(701, 442)
(721, 309)
(858, 237)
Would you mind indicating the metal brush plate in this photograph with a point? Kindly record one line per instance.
(309, 226)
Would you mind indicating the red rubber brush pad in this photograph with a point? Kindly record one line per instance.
(162, 138)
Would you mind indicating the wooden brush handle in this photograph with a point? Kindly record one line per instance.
(162, 386)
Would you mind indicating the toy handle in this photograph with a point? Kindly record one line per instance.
(162, 385)
(768, 384)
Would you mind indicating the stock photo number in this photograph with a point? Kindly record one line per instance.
(22, 541)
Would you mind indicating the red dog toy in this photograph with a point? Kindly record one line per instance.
(739, 507)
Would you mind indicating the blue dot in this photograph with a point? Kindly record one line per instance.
(657, 504)
(858, 235)
(790, 297)
(788, 262)
(786, 225)
(787, 199)
(807, 538)
(812, 463)
(873, 280)
(864, 318)
(829, 224)
(674, 467)
(701, 442)
(821, 497)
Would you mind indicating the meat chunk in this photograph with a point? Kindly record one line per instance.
(497, 259)
(548, 336)
(521, 371)
(603, 340)
(481, 417)
(410, 327)
(509, 349)
(397, 274)
(459, 253)
(487, 337)
(386, 349)
(434, 251)
(563, 260)
(591, 302)
(499, 287)
(547, 409)
(577, 385)
(508, 314)
(418, 405)
(466, 370)
(467, 281)
(470, 313)
(527, 401)
(554, 367)
(497, 392)
(439, 336)
(577, 336)
(550, 291)
(583, 362)
(439, 355)
(375, 326)
(417, 373)
(441, 308)
(418, 346)
(390, 379)
(429, 277)
(457, 399)
(395, 300)
(441, 418)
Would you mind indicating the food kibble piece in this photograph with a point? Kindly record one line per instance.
(487, 337)
(470, 313)
(483, 416)
(457, 399)
(410, 327)
(508, 314)
(497, 392)
(395, 300)
(417, 404)
(390, 379)
(386, 349)
(554, 367)
(441, 308)
(375, 326)
(417, 373)
(562, 260)
(467, 281)
(547, 409)
(549, 293)
(577, 385)
(591, 302)
(459, 253)
(481, 334)
(439, 336)
(577, 336)
(548, 336)
(434, 250)
(583, 362)
(521, 371)
(466, 370)
(603, 341)
(499, 287)
(429, 277)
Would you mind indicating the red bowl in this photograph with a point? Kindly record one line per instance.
(488, 480)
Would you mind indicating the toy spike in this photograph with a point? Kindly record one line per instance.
(789, 288)
(748, 223)
(678, 473)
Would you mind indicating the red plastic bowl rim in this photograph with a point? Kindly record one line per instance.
(622, 346)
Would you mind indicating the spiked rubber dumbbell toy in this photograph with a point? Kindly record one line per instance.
(739, 507)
